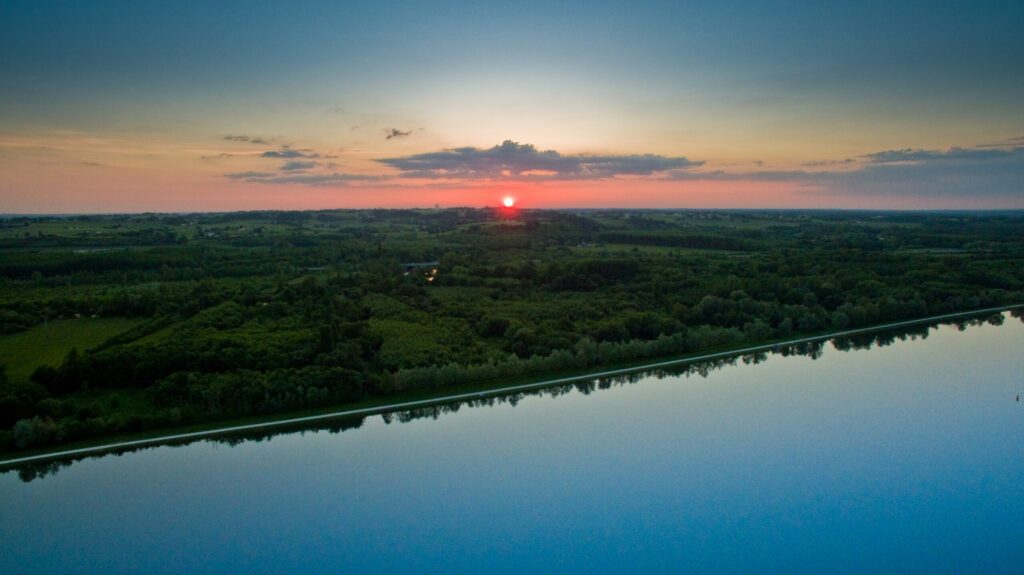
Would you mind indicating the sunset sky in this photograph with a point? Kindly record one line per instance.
(110, 106)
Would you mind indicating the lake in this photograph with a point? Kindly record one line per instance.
(897, 453)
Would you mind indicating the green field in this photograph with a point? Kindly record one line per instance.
(21, 353)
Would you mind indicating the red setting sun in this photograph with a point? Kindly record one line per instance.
(508, 201)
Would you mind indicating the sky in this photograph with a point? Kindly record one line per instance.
(131, 106)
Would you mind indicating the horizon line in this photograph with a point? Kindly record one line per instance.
(13, 215)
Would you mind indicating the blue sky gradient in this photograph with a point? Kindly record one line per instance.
(744, 88)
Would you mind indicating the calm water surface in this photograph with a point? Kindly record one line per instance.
(906, 457)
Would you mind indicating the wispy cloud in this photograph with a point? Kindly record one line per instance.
(287, 152)
(952, 154)
(511, 160)
(306, 179)
(1008, 142)
(821, 163)
(251, 175)
(395, 133)
(244, 138)
(298, 166)
(293, 166)
(755, 176)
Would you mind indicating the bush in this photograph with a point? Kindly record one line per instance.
(35, 432)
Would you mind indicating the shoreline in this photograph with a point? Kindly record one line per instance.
(481, 393)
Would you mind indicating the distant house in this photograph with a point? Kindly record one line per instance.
(429, 269)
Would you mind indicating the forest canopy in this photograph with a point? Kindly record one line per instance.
(126, 323)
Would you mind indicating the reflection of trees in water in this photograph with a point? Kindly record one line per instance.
(814, 350)
(880, 339)
(37, 470)
(31, 471)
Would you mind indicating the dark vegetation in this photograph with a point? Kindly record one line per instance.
(29, 471)
(253, 313)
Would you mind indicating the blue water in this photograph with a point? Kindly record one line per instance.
(900, 458)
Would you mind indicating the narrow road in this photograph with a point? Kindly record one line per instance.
(487, 392)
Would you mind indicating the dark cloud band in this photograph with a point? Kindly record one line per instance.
(979, 172)
(511, 160)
